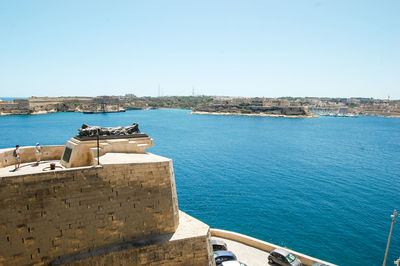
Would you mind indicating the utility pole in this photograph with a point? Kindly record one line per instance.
(98, 146)
(390, 234)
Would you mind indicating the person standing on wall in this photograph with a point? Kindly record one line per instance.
(17, 156)
(38, 153)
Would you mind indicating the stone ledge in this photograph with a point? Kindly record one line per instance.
(190, 234)
(131, 158)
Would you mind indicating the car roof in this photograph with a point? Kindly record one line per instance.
(281, 251)
(232, 263)
(223, 253)
(217, 242)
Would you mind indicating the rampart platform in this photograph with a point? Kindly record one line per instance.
(124, 211)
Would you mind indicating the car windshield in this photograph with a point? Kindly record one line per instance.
(290, 257)
(218, 247)
(223, 258)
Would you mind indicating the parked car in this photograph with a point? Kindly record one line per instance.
(283, 257)
(223, 255)
(218, 244)
(233, 263)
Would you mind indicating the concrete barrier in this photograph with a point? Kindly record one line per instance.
(52, 152)
(262, 245)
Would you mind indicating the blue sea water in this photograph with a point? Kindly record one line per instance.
(325, 187)
(10, 99)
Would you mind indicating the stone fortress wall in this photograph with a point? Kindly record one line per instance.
(34, 105)
(124, 211)
(52, 214)
(38, 101)
(54, 104)
(17, 106)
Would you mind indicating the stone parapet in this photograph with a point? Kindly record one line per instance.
(52, 152)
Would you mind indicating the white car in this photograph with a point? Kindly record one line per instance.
(233, 263)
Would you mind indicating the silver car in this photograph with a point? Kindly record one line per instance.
(218, 244)
(283, 257)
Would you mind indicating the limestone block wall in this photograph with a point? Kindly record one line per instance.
(15, 107)
(43, 101)
(50, 215)
(53, 152)
(8, 106)
(194, 251)
(189, 245)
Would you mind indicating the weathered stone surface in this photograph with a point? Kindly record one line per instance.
(68, 212)
(85, 153)
(52, 152)
(17, 106)
(189, 245)
(252, 109)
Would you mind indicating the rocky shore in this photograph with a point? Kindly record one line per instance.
(252, 110)
(259, 114)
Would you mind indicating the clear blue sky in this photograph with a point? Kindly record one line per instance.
(336, 48)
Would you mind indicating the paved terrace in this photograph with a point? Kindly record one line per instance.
(30, 168)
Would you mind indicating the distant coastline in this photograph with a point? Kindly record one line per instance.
(291, 107)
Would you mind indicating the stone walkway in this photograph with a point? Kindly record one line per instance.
(29, 168)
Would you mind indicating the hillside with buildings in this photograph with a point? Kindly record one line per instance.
(285, 106)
